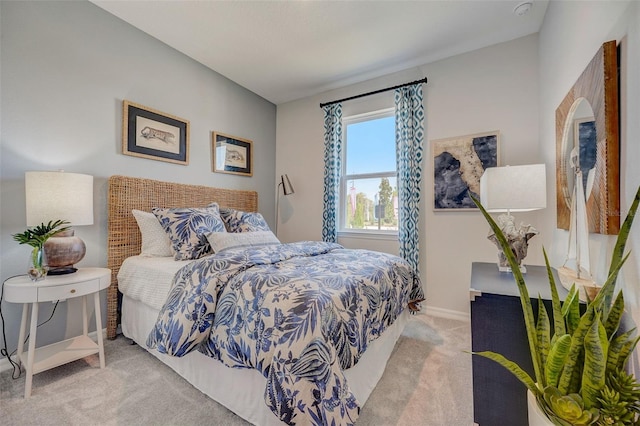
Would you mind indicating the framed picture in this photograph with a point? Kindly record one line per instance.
(594, 96)
(232, 154)
(152, 134)
(458, 164)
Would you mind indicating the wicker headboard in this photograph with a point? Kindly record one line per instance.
(124, 240)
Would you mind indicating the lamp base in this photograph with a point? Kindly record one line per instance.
(518, 239)
(523, 269)
(62, 271)
(64, 250)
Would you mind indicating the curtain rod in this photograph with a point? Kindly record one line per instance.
(375, 92)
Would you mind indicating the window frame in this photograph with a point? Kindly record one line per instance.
(343, 231)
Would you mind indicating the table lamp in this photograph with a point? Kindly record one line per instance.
(513, 189)
(60, 196)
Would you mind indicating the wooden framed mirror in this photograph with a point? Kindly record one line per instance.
(587, 119)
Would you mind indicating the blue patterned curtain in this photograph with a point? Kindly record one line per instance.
(332, 169)
(409, 141)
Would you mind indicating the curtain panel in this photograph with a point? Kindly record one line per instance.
(332, 169)
(409, 156)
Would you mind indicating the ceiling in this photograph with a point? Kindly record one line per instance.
(287, 50)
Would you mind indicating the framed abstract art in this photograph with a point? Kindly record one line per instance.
(458, 164)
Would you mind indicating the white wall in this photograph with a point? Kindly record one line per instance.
(66, 68)
(495, 88)
(571, 34)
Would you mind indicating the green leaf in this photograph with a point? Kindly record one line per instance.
(571, 310)
(596, 346)
(38, 235)
(626, 350)
(615, 316)
(543, 333)
(615, 350)
(603, 300)
(575, 381)
(558, 318)
(525, 302)
(618, 252)
(577, 339)
(514, 368)
(623, 235)
(556, 360)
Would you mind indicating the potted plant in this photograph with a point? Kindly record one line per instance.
(36, 237)
(578, 359)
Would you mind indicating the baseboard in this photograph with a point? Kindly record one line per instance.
(448, 313)
(6, 365)
(431, 310)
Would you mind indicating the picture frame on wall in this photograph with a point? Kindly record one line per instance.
(594, 95)
(458, 165)
(152, 134)
(232, 154)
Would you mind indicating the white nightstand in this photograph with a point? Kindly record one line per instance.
(84, 282)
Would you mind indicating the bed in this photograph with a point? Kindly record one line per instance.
(266, 394)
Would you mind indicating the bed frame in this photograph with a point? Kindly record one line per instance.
(124, 239)
(240, 390)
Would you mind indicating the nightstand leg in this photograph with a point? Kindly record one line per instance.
(32, 349)
(23, 330)
(85, 321)
(96, 299)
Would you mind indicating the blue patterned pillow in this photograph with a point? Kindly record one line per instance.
(187, 229)
(239, 221)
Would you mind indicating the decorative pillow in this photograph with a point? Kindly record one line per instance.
(225, 240)
(239, 221)
(155, 242)
(187, 228)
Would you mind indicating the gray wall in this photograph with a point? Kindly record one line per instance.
(66, 68)
(495, 88)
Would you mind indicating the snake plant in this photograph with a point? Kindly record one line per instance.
(573, 356)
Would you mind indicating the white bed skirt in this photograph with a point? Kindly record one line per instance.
(242, 390)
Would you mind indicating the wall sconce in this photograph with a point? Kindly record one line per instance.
(513, 189)
(60, 196)
(287, 189)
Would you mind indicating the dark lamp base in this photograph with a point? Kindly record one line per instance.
(62, 271)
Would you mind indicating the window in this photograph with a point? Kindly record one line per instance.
(368, 189)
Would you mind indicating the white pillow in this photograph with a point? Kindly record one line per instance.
(224, 240)
(155, 242)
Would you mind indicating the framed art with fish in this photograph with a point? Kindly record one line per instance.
(155, 135)
(232, 154)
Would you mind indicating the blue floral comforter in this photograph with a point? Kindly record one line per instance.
(299, 313)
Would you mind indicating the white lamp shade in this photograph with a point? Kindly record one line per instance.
(59, 196)
(514, 188)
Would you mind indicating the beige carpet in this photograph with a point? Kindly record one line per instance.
(427, 382)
